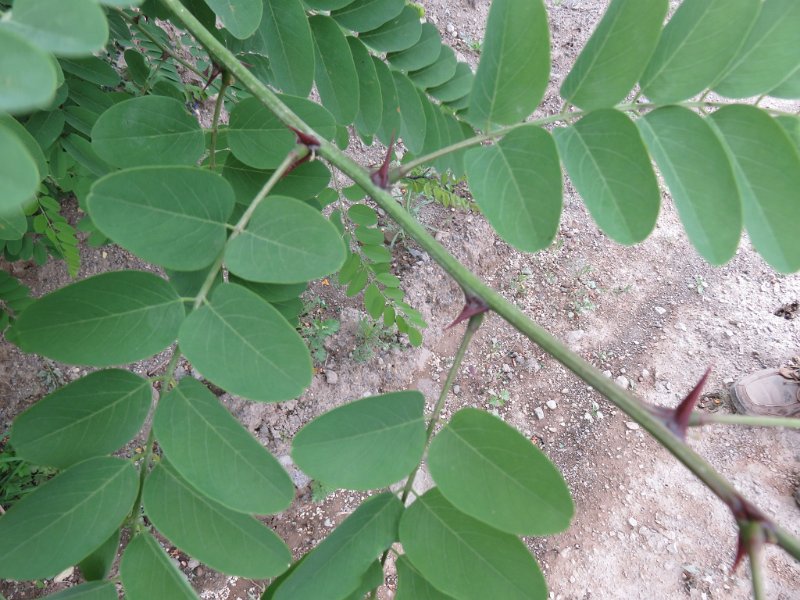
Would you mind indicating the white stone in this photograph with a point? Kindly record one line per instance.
(660, 310)
(631, 425)
(551, 404)
(539, 412)
(607, 374)
(632, 522)
(623, 382)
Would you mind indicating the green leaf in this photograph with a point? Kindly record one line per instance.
(791, 125)
(608, 163)
(13, 224)
(304, 181)
(27, 140)
(92, 416)
(411, 585)
(616, 54)
(171, 216)
(336, 567)
(19, 174)
(457, 87)
(95, 590)
(326, 4)
(366, 444)
(437, 73)
(86, 322)
(390, 115)
(769, 53)
(79, 148)
(370, 101)
(147, 572)
(412, 115)
(225, 540)
(289, 47)
(465, 558)
(28, 74)
(697, 44)
(92, 69)
(244, 345)
(84, 505)
(334, 68)
(151, 130)
(272, 292)
(789, 88)
(46, 127)
(422, 54)
(517, 184)
(75, 31)
(700, 179)
(373, 301)
(286, 241)
(361, 214)
(371, 580)
(216, 455)
(515, 63)
(767, 168)
(259, 139)
(97, 565)
(490, 471)
(365, 15)
(399, 33)
(240, 17)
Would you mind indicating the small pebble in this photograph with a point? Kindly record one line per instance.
(631, 425)
(632, 522)
(539, 412)
(623, 382)
(551, 404)
(331, 377)
(660, 310)
(456, 389)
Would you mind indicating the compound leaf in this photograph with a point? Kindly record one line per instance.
(335, 70)
(767, 168)
(437, 73)
(289, 47)
(171, 216)
(260, 140)
(700, 179)
(616, 54)
(66, 518)
(286, 241)
(697, 44)
(517, 184)
(608, 163)
(19, 174)
(148, 573)
(464, 557)
(425, 52)
(336, 567)
(490, 471)
(109, 319)
(370, 101)
(228, 541)
(769, 54)
(151, 130)
(92, 416)
(216, 455)
(515, 64)
(366, 444)
(365, 15)
(399, 33)
(74, 30)
(240, 17)
(241, 343)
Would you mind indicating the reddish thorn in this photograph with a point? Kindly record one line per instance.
(380, 176)
(309, 141)
(741, 550)
(216, 71)
(748, 538)
(297, 163)
(472, 306)
(677, 419)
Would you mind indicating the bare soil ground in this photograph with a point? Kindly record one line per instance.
(653, 316)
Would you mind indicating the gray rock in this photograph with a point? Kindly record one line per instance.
(551, 404)
(623, 382)
(607, 374)
(331, 377)
(631, 425)
(660, 310)
(539, 412)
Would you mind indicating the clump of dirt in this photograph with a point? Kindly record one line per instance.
(652, 317)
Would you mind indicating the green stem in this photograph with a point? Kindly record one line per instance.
(226, 81)
(166, 381)
(471, 283)
(753, 533)
(700, 419)
(472, 327)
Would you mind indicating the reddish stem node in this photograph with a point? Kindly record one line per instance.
(755, 529)
(380, 176)
(309, 141)
(473, 305)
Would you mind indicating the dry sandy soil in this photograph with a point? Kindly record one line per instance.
(652, 316)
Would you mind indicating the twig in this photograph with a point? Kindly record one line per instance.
(226, 80)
